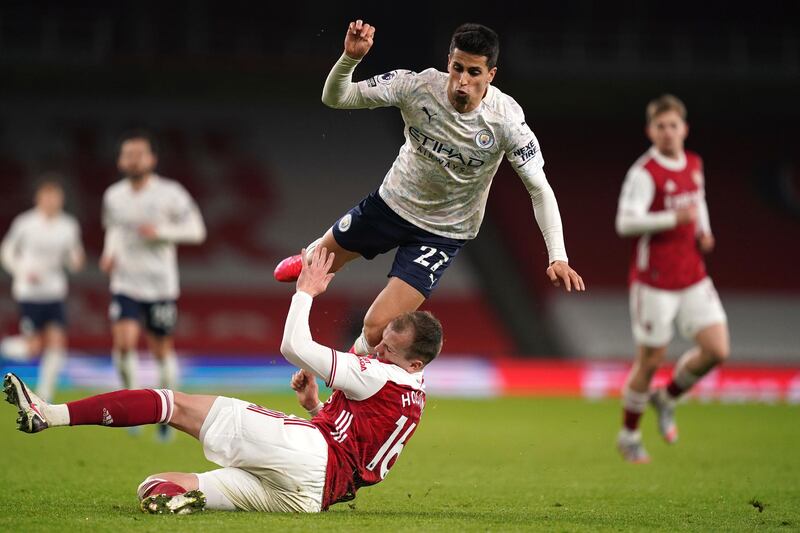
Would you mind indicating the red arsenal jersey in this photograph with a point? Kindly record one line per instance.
(375, 408)
(667, 259)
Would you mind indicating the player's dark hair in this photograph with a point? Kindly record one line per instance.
(49, 180)
(427, 341)
(479, 40)
(139, 134)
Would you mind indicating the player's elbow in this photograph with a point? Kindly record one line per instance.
(331, 101)
(200, 234)
(289, 349)
(623, 227)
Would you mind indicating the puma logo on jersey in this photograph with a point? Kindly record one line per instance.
(430, 115)
(670, 186)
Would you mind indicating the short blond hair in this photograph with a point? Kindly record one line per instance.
(664, 103)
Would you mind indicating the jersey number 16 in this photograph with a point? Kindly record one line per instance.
(385, 454)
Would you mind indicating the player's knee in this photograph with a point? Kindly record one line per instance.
(651, 358)
(718, 354)
(373, 331)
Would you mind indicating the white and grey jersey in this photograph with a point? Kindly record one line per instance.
(36, 250)
(147, 270)
(440, 180)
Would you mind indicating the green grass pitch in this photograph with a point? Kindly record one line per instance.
(473, 465)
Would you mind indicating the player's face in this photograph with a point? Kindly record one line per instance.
(667, 131)
(50, 200)
(469, 79)
(136, 158)
(394, 346)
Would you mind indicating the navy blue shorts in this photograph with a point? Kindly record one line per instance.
(35, 316)
(159, 317)
(372, 228)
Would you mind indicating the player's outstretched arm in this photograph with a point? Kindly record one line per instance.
(339, 91)
(298, 346)
(548, 218)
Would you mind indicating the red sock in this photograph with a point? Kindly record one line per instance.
(674, 390)
(123, 408)
(631, 419)
(159, 486)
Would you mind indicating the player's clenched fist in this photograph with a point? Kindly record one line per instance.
(358, 40)
(305, 385)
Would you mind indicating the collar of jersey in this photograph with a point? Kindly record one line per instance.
(669, 163)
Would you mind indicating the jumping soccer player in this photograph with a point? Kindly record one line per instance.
(432, 201)
(39, 245)
(145, 216)
(271, 461)
(663, 205)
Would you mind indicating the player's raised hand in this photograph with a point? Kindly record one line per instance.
(316, 273)
(560, 271)
(359, 39)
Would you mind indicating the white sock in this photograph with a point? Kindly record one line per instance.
(361, 346)
(49, 368)
(635, 401)
(127, 364)
(56, 415)
(168, 371)
(310, 248)
(16, 348)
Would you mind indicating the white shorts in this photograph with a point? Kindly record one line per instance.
(653, 311)
(273, 462)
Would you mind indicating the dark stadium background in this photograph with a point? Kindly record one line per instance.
(232, 91)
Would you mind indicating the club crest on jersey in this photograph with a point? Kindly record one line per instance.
(484, 139)
(387, 78)
(344, 222)
(670, 186)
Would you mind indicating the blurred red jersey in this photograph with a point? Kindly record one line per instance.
(367, 426)
(670, 259)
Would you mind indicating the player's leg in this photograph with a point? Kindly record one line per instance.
(122, 408)
(366, 230)
(418, 266)
(54, 339)
(652, 313)
(289, 269)
(171, 493)
(160, 321)
(701, 318)
(125, 314)
(396, 298)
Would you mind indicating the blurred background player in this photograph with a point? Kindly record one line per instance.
(145, 216)
(432, 200)
(663, 205)
(39, 245)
